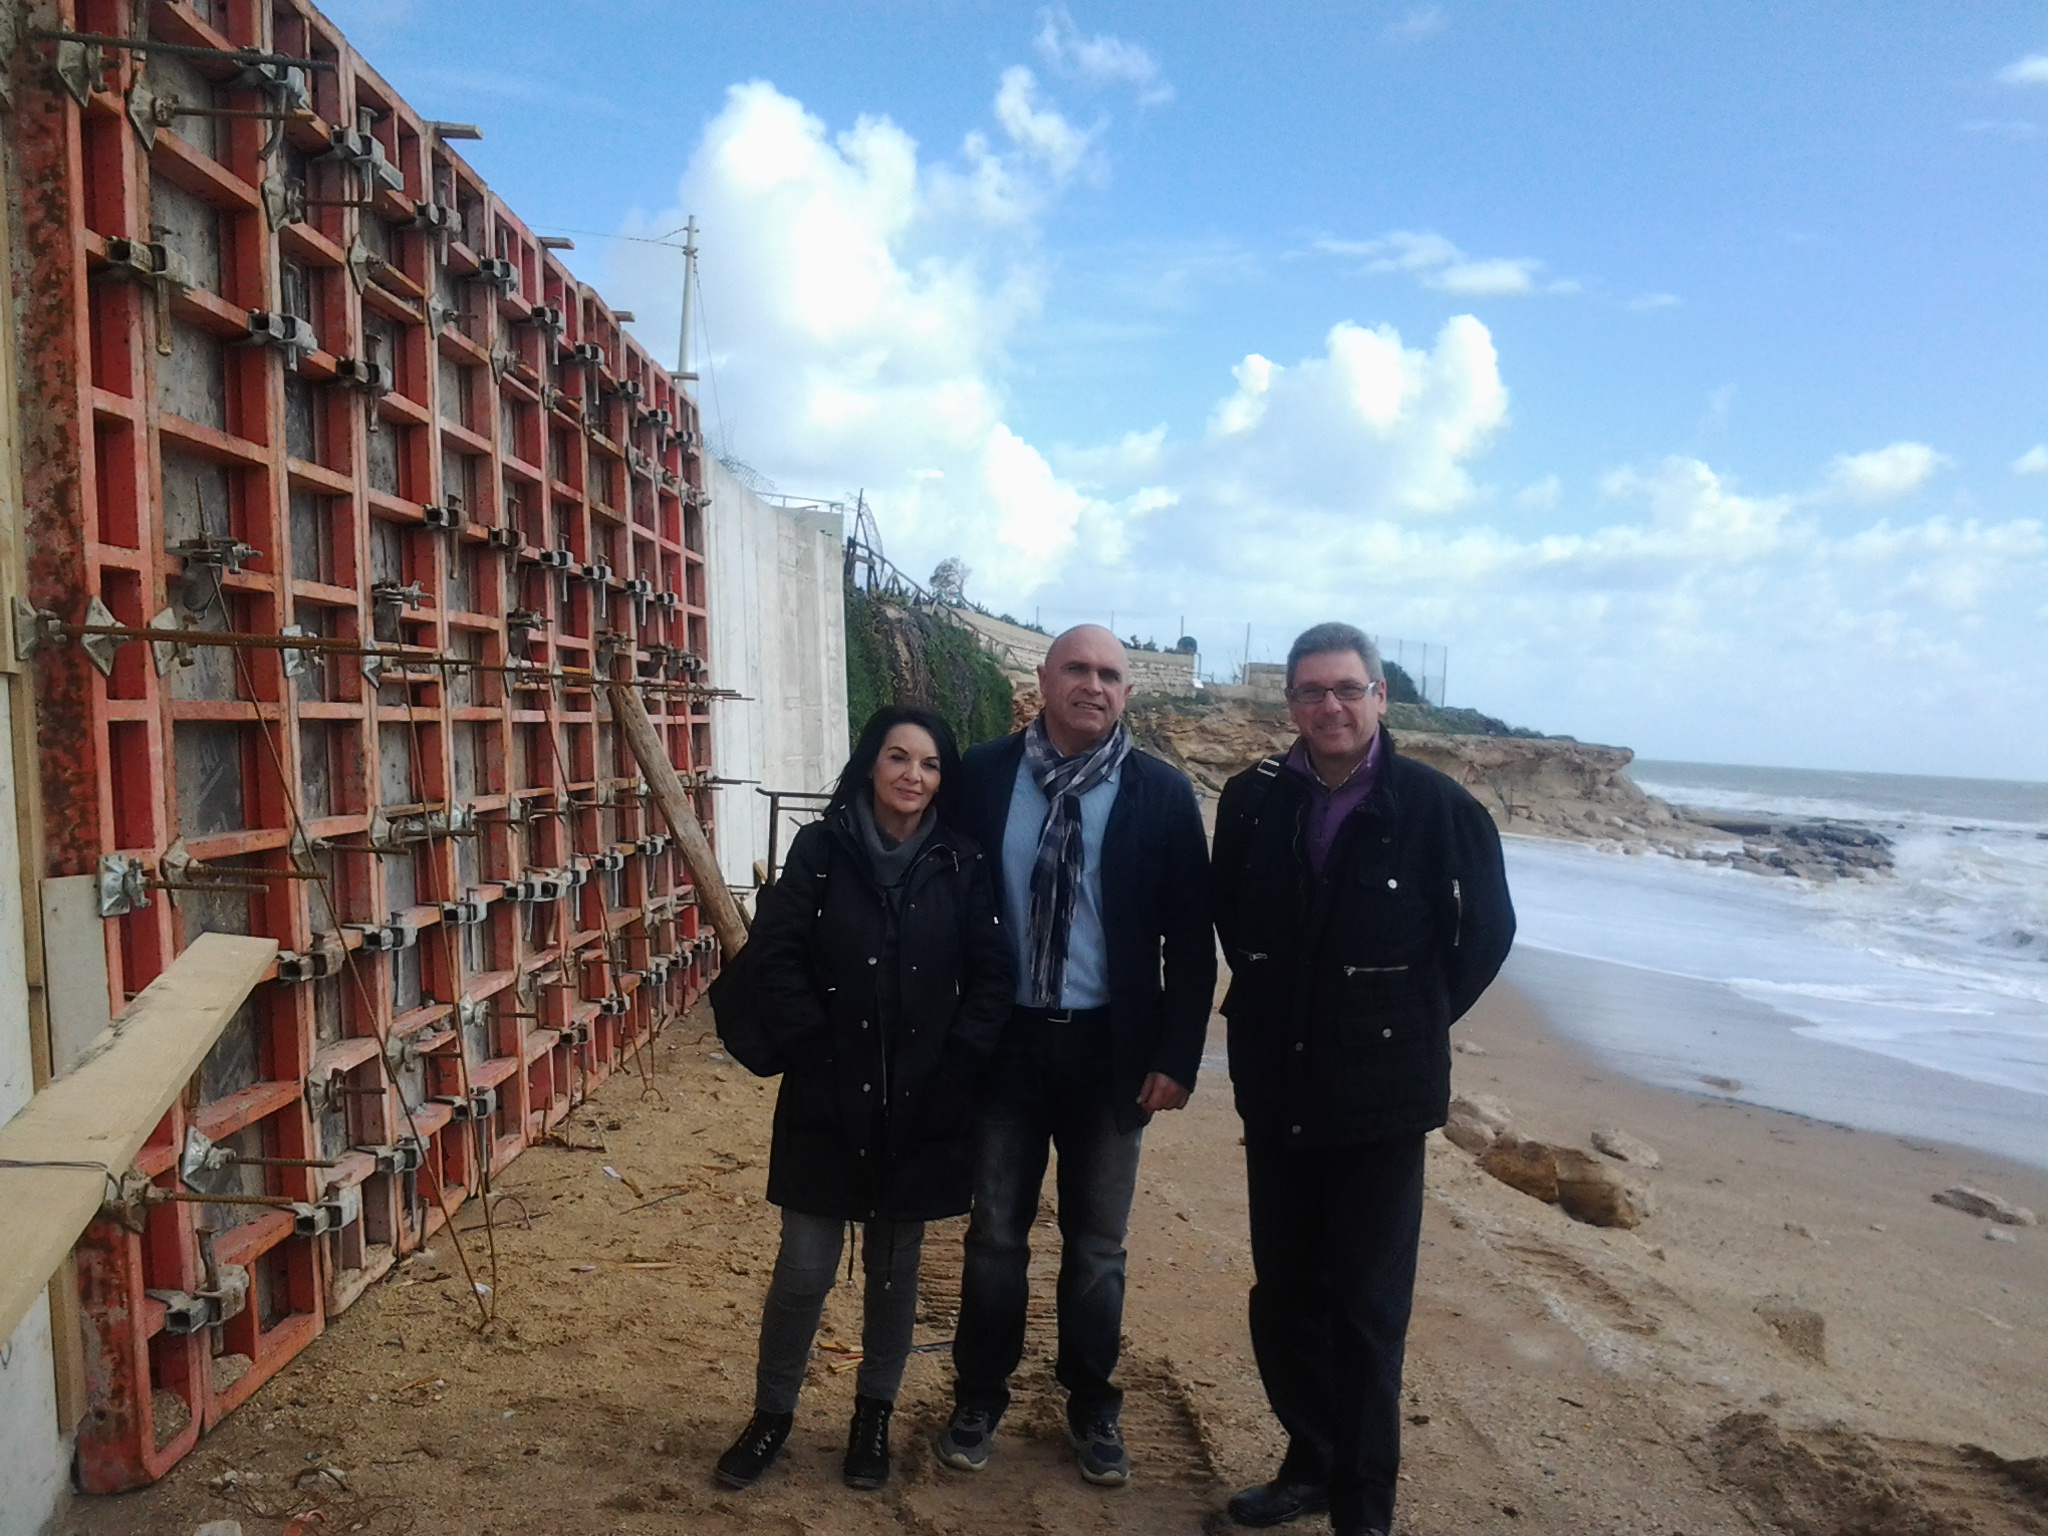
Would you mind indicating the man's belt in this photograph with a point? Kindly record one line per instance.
(1083, 1016)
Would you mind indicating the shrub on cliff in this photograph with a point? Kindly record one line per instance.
(896, 654)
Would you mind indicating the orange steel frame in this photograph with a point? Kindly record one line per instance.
(149, 418)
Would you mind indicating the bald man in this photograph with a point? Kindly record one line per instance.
(1102, 866)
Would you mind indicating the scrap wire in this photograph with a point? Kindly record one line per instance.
(604, 920)
(383, 1036)
(485, 1146)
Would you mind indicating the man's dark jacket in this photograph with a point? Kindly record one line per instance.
(875, 1117)
(1155, 912)
(1343, 990)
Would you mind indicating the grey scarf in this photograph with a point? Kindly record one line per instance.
(889, 859)
(1056, 868)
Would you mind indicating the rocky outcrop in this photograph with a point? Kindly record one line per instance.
(1540, 786)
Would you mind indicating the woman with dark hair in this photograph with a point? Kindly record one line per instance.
(877, 965)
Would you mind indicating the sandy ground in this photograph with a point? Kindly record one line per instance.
(1562, 1379)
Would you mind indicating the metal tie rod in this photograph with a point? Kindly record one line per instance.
(189, 50)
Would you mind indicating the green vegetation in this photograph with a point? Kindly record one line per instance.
(1401, 687)
(1455, 722)
(896, 654)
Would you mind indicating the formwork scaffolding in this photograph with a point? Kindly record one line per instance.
(345, 500)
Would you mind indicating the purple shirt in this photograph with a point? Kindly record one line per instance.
(1328, 808)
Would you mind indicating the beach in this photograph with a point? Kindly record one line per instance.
(1562, 1378)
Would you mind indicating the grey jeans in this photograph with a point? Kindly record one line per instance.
(804, 1271)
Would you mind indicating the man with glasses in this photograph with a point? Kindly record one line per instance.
(1363, 908)
(1099, 856)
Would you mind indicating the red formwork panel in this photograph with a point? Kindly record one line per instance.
(290, 372)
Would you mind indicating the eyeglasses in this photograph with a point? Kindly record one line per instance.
(1348, 693)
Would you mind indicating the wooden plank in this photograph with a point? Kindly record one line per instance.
(713, 895)
(103, 1109)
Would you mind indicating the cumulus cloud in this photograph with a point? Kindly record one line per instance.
(1099, 60)
(1436, 263)
(1884, 474)
(2031, 70)
(2033, 462)
(1038, 130)
(864, 297)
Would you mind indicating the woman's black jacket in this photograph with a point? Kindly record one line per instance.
(868, 1127)
(1343, 991)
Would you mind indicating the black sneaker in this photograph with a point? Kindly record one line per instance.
(867, 1444)
(964, 1443)
(1099, 1451)
(754, 1452)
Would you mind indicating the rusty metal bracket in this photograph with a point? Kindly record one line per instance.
(290, 334)
(316, 964)
(284, 201)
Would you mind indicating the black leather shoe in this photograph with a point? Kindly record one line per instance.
(754, 1452)
(1277, 1502)
(867, 1444)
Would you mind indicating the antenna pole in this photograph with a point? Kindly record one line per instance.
(683, 369)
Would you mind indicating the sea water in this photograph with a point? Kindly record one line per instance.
(1914, 1002)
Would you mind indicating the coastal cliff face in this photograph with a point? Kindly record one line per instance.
(1534, 785)
(1530, 784)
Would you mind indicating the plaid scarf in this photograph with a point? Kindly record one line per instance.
(1056, 868)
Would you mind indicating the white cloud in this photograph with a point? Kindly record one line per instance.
(859, 302)
(2033, 462)
(1421, 22)
(1368, 422)
(1040, 132)
(1437, 263)
(864, 300)
(1884, 474)
(2032, 70)
(1643, 303)
(1099, 60)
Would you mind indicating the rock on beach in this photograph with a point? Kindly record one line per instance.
(1976, 1202)
(1625, 1148)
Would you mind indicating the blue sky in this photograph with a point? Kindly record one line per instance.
(1680, 368)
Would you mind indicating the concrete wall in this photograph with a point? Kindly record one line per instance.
(35, 1452)
(35, 1457)
(1021, 650)
(778, 636)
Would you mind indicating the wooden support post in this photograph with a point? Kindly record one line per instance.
(99, 1113)
(713, 895)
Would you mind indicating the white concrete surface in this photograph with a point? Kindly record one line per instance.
(778, 636)
(35, 1461)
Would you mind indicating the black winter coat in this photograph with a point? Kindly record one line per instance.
(1343, 991)
(868, 1127)
(1155, 912)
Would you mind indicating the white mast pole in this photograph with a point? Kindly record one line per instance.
(683, 368)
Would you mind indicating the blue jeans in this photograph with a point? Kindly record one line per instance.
(1049, 1086)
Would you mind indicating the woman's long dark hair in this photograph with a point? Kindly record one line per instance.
(857, 777)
